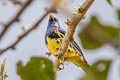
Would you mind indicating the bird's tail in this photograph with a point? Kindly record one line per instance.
(79, 61)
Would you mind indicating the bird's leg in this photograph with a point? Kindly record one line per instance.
(48, 53)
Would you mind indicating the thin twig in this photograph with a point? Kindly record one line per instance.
(13, 45)
(72, 23)
(15, 18)
(16, 2)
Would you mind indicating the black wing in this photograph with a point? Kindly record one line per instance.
(77, 48)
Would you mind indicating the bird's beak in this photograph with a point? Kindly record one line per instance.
(51, 17)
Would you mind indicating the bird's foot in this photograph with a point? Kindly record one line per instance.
(48, 53)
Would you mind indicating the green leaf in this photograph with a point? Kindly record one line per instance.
(95, 34)
(88, 42)
(98, 71)
(109, 1)
(118, 14)
(38, 68)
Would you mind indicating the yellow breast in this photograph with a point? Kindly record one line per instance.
(52, 45)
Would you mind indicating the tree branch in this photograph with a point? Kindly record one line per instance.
(72, 23)
(16, 2)
(12, 46)
(15, 18)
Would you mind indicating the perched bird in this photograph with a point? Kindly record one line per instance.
(53, 39)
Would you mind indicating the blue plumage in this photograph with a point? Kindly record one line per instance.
(52, 25)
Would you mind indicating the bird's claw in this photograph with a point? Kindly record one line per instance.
(48, 53)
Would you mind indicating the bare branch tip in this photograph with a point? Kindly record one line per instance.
(68, 21)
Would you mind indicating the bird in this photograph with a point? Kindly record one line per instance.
(53, 39)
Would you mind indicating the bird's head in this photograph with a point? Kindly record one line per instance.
(53, 22)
